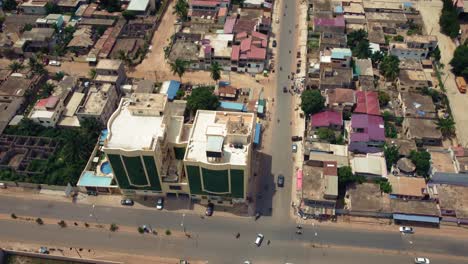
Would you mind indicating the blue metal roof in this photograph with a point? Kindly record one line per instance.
(340, 53)
(232, 106)
(91, 180)
(172, 90)
(338, 9)
(258, 130)
(417, 218)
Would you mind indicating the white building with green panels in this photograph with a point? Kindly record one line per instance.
(218, 156)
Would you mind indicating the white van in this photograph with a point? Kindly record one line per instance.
(2, 185)
(258, 240)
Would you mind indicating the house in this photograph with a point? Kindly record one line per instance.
(461, 159)
(51, 21)
(333, 24)
(319, 185)
(341, 57)
(403, 51)
(382, 6)
(69, 6)
(416, 105)
(227, 92)
(37, 39)
(145, 145)
(423, 131)
(340, 99)
(141, 7)
(101, 101)
(140, 27)
(335, 77)
(330, 40)
(34, 7)
(363, 67)
(367, 200)
(110, 71)
(145, 86)
(366, 133)
(411, 212)
(452, 202)
(218, 156)
(322, 151)
(412, 81)
(375, 33)
(185, 47)
(249, 53)
(328, 119)
(82, 40)
(216, 48)
(387, 20)
(69, 118)
(369, 166)
(442, 161)
(170, 88)
(367, 102)
(427, 42)
(47, 111)
(410, 188)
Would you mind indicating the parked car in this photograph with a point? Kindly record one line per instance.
(209, 209)
(285, 89)
(128, 202)
(2, 185)
(274, 44)
(280, 181)
(160, 203)
(296, 138)
(421, 261)
(54, 63)
(294, 148)
(258, 240)
(43, 250)
(406, 229)
(93, 193)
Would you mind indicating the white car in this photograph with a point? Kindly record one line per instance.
(160, 204)
(259, 239)
(406, 230)
(421, 261)
(54, 63)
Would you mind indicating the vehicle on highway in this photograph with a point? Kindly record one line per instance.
(160, 203)
(296, 138)
(247, 262)
(209, 209)
(259, 240)
(43, 250)
(406, 229)
(128, 202)
(274, 44)
(294, 148)
(285, 89)
(280, 181)
(54, 63)
(257, 215)
(421, 261)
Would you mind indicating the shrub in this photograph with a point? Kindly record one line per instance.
(113, 227)
(62, 224)
(141, 230)
(13, 216)
(168, 232)
(39, 221)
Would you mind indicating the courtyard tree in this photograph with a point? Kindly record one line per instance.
(215, 71)
(459, 61)
(359, 44)
(446, 126)
(421, 159)
(346, 177)
(392, 154)
(181, 9)
(179, 67)
(448, 20)
(16, 66)
(390, 67)
(202, 98)
(312, 101)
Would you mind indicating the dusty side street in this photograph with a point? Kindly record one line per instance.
(430, 12)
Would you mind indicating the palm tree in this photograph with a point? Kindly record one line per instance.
(16, 66)
(215, 70)
(124, 57)
(446, 126)
(179, 67)
(390, 67)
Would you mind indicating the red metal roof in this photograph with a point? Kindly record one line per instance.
(256, 53)
(259, 35)
(235, 53)
(229, 25)
(367, 102)
(246, 44)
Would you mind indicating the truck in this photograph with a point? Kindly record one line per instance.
(461, 84)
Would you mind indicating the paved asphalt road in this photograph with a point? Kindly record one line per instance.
(216, 234)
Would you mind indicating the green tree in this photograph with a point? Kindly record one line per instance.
(384, 98)
(392, 154)
(36, 67)
(384, 185)
(359, 44)
(390, 130)
(9, 5)
(180, 94)
(26, 27)
(181, 8)
(346, 177)
(390, 67)
(459, 61)
(16, 66)
(377, 57)
(448, 20)
(327, 134)
(123, 56)
(435, 54)
(129, 15)
(110, 5)
(52, 8)
(178, 67)
(202, 98)
(92, 73)
(58, 76)
(398, 38)
(312, 101)
(113, 227)
(446, 126)
(421, 159)
(46, 90)
(215, 71)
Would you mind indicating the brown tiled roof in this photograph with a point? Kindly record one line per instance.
(341, 95)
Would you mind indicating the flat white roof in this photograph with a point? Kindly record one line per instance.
(133, 132)
(206, 123)
(42, 114)
(138, 5)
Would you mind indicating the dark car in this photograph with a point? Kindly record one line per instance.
(209, 209)
(296, 138)
(280, 181)
(285, 89)
(274, 44)
(128, 202)
(93, 193)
